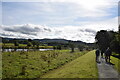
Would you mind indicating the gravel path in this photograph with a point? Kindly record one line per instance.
(106, 70)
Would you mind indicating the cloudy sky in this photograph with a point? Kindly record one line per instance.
(67, 19)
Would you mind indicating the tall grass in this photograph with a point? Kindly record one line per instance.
(82, 67)
(34, 64)
(22, 46)
(116, 63)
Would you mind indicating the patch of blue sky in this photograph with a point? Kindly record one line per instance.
(119, 9)
(112, 13)
(27, 12)
(48, 13)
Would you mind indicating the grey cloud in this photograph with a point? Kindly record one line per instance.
(38, 31)
(24, 29)
(29, 33)
(79, 35)
(81, 30)
(90, 31)
(47, 29)
(58, 32)
(9, 29)
(27, 29)
(7, 35)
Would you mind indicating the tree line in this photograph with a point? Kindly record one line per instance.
(111, 39)
(35, 44)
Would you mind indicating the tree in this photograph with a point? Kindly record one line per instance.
(115, 44)
(38, 44)
(33, 43)
(30, 40)
(103, 39)
(54, 47)
(29, 44)
(81, 47)
(15, 41)
(59, 47)
(71, 45)
(4, 41)
(110, 39)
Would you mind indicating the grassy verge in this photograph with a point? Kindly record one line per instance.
(33, 64)
(116, 61)
(82, 67)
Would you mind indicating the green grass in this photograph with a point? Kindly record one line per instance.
(46, 47)
(22, 45)
(0, 66)
(116, 61)
(11, 45)
(8, 44)
(34, 64)
(82, 67)
(0, 43)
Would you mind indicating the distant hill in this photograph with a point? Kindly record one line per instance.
(52, 41)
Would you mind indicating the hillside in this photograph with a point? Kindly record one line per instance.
(51, 42)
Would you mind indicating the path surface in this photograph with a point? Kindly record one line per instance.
(106, 70)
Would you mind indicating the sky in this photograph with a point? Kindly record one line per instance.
(65, 19)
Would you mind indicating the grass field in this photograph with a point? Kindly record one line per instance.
(8, 44)
(34, 64)
(11, 45)
(82, 67)
(116, 61)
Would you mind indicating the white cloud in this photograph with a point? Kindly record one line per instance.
(82, 8)
(63, 12)
(84, 33)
